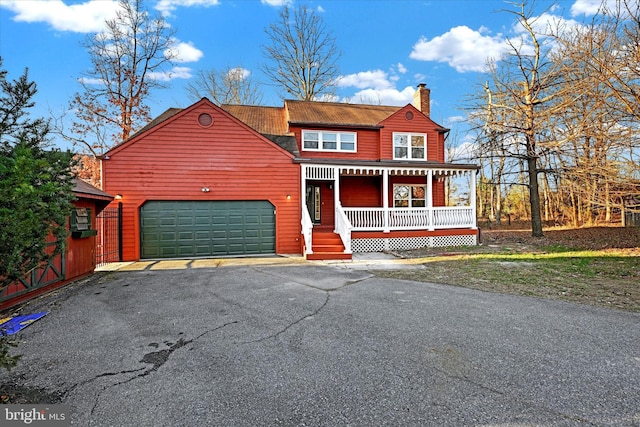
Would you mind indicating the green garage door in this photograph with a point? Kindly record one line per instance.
(175, 229)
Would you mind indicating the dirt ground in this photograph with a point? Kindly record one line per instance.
(588, 238)
(518, 239)
(520, 264)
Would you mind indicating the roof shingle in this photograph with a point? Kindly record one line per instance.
(265, 120)
(337, 114)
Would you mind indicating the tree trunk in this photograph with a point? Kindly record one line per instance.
(534, 197)
(607, 201)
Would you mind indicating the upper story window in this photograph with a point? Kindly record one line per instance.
(409, 146)
(328, 141)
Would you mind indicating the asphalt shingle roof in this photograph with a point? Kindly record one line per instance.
(265, 120)
(337, 114)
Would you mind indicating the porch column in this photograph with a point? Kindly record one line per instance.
(336, 186)
(472, 199)
(303, 190)
(430, 199)
(385, 200)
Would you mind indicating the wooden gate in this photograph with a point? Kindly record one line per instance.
(52, 272)
(109, 238)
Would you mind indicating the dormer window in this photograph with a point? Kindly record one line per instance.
(409, 146)
(315, 140)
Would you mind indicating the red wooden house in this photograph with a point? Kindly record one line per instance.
(321, 179)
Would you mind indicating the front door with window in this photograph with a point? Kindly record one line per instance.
(314, 203)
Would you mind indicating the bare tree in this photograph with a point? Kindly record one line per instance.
(610, 49)
(230, 86)
(302, 55)
(519, 102)
(127, 59)
(601, 64)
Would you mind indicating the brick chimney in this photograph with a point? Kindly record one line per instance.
(422, 99)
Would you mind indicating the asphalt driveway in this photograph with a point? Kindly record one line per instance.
(302, 344)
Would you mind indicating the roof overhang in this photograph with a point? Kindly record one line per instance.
(335, 125)
(395, 166)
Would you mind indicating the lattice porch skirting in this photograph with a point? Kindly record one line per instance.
(402, 243)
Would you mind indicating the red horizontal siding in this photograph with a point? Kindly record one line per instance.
(398, 122)
(359, 192)
(368, 145)
(175, 160)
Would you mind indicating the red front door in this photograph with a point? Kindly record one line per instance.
(319, 197)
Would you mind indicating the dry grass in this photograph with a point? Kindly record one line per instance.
(598, 266)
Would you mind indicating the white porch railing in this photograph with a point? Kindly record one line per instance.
(307, 230)
(343, 228)
(381, 219)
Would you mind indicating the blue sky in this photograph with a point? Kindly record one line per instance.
(388, 47)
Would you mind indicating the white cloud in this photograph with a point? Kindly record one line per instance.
(376, 79)
(464, 152)
(175, 73)
(276, 3)
(91, 81)
(238, 73)
(167, 6)
(388, 96)
(548, 23)
(594, 7)
(461, 47)
(184, 52)
(84, 17)
(320, 9)
(377, 87)
(455, 119)
(401, 68)
(586, 7)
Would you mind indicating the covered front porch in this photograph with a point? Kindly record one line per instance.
(378, 206)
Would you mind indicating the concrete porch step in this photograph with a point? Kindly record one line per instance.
(326, 256)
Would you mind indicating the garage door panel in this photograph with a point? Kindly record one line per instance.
(206, 228)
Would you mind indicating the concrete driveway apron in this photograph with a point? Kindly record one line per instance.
(282, 341)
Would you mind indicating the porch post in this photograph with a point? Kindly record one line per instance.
(303, 190)
(336, 193)
(385, 200)
(430, 199)
(336, 186)
(472, 199)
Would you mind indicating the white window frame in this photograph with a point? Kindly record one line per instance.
(409, 135)
(410, 199)
(338, 141)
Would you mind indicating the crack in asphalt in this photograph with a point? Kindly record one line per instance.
(292, 324)
(154, 358)
(327, 292)
(467, 379)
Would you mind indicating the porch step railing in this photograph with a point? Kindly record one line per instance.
(307, 230)
(343, 228)
(381, 219)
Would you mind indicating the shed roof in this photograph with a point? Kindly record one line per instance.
(88, 191)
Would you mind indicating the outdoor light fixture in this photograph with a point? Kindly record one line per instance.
(118, 196)
(205, 189)
(288, 196)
